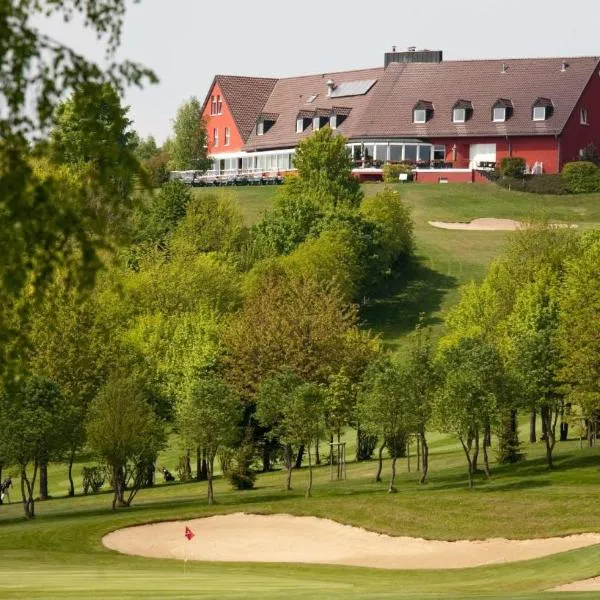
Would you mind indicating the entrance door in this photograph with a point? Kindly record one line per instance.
(482, 153)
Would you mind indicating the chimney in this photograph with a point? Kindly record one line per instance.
(330, 87)
(504, 68)
(413, 56)
(563, 66)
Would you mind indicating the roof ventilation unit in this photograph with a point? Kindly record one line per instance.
(330, 87)
(413, 56)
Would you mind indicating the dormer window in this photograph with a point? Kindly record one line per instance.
(299, 125)
(260, 127)
(422, 112)
(462, 111)
(501, 111)
(542, 109)
(338, 115)
(333, 121)
(264, 122)
(316, 123)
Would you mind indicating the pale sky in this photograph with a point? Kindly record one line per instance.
(187, 42)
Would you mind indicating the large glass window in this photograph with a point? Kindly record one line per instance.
(439, 152)
(425, 153)
(395, 153)
(410, 152)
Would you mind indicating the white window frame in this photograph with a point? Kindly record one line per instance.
(544, 113)
(260, 127)
(419, 112)
(459, 111)
(316, 123)
(213, 105)
(227, 136)
(299, 125)
(497, 119)
(216, 137)
(583, 116)
(333, 121)
(219, 105)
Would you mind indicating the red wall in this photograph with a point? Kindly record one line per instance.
(220, 122)
(531, 148)
(576, 136)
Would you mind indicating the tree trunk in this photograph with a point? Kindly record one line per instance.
(71, 483)
(44, 481)
(27, 491)
(486, 462)
(549, 435)
(317, 454)
(119, 487)
(379, 463)
(209, 473)
(564, 424)
(266, 458)
(532, 423)
(475, 459)
(310, 474)
(391, 488)
(298, 464)
(424, 457)
(469, 462)
(487, 436)
(289, 465)
(149, 475)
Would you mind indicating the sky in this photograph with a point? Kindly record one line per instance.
(187, 42)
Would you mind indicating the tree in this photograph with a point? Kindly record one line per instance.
(324, 172)
(468, 398)
(208, 418)
(146, 149)
(33, 428)
(294, 411)
(38, 71)
(124, 431)
(578, 334)
(189, 149)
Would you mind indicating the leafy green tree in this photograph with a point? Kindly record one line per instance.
(294, 411)
(324, 172)
(392, 216)
(209, 418)
(33, 426)
(578, 334)
(467, 401)
(189, 148)
(38, 71)
(146, 149)
(124, 432)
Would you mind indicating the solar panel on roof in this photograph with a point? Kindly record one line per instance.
(353, 88)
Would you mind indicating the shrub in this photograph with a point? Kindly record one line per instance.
(535, 184)
(93, 479)
(512, 166)
(581, 177)
(240, 473)
(590, 154)
(392, 172)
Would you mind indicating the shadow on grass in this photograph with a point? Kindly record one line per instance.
(412, 290)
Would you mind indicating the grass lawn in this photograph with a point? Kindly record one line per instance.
(60, 555)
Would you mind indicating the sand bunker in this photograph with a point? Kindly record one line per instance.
(588, 585)
(286, 539)
(490, 225)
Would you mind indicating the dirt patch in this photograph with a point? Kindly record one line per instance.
(286, 539)
(489, 225)
(587, 585)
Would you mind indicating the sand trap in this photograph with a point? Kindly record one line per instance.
(587, 585)
(489, 225)
(286, 539)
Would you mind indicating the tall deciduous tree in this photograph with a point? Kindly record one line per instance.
(189, 148)
(124, 431)
(209, 417)
(33, 425)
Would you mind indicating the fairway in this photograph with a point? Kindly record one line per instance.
(60, 554)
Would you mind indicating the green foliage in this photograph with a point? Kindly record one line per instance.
(33, 429)
(590, 154)
(512, 166)
(324, 172)
(124, 432)
(240, 473)
(164, 212)
(93, 479)
(392, 216)
(548, 184)
(391, 172)
(188, 150)
(581, 177)
(146, 149)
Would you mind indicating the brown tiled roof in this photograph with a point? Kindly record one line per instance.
(289, 99)
(385, 111)
(245, 97)
(389, 113)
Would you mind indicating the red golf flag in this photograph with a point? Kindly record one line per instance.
(189, 534)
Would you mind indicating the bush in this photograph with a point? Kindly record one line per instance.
(512, 166)
(93, 479)
(581, 177)
(240, 473)
(392, 172)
